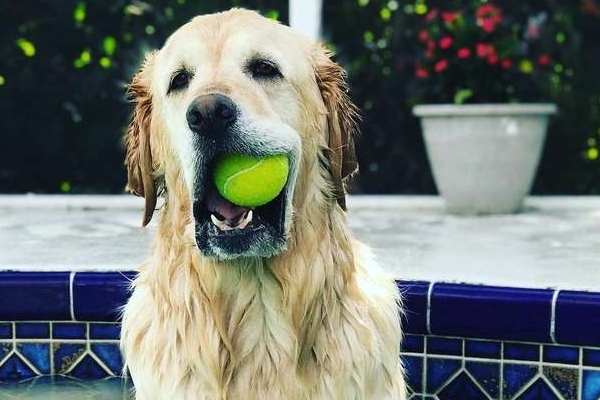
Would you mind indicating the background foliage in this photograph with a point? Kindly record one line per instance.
(63, 67)
(63, 70)
(377, 41)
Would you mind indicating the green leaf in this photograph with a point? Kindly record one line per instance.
(385, 14)
(65, 187)
(462, 96)
(272, 14)
(105, 62)
(79, 13)
(26, 46)
(2, 80)
(84, 59)
(110, 45)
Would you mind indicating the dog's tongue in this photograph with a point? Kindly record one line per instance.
(217, 204)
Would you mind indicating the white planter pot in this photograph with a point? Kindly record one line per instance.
(484, 157)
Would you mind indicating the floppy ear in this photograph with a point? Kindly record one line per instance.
(342, 122)
(138, 158)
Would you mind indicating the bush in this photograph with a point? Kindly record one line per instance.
(64, 65)
(63, 70)
(377, 40)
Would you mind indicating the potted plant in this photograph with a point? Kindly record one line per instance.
(484, 70)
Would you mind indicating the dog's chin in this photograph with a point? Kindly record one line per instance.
(242, 232)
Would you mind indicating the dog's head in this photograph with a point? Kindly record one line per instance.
(236, 82)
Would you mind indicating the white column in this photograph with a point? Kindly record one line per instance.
(305, 16)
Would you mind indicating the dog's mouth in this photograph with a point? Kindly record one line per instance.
(226, 231)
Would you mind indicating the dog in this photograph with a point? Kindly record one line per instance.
(278, 303)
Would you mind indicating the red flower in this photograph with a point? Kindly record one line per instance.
(463, 52)
(431, 44)
(441, 65)
(421, 73)
(484, 50)
(429, 53)
(423, 36)
(446, 42)
(488, 16)
(544, 60)
(506, 63)
(492, 59)
(431, 15)
(450, 17)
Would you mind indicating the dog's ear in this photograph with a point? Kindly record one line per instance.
(342, 121)
(138, 158)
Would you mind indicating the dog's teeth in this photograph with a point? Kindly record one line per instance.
(222, 225)
(245, 220)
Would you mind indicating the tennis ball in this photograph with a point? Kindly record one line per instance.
(249, 181)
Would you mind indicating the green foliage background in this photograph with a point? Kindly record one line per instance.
(63, 70)
(377, 41)
(64, 66)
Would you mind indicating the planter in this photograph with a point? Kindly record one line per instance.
(484, 157)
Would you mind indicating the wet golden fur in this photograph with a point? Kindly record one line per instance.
(318, 321)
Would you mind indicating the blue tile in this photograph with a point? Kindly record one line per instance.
(591, 357)
(14, 369)
(439, 370)
(446, 346)
(66, 355)
(99, 296)
(591, 385)
(38, 355)
(462, 387)
(105, 331)
(414, 372)
(413, 344)
(516, 377)
(561, 354)
(5, 348)
(34, 296)
(487, 312)
(487, 375)
(572, 309)
(483, 349)
(539, 390)
(565, 380)
(87, 368)
(32, 330)
(414, 301)
(110, 355)
(6, 330)
(69, 330)
(521, 351)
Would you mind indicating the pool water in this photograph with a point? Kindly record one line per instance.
(63, 388)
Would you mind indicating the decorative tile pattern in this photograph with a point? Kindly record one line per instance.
(60, 348)
(462, 341)
(438, 368)
(521, 371)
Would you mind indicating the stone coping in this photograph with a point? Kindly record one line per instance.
(552, 244)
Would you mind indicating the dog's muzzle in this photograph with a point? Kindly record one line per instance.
(225, 230)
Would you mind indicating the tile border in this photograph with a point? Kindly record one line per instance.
(432, 308)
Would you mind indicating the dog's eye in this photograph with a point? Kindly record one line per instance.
(263, 69)
(179, 81)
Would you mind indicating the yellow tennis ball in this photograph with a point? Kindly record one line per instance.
(250, 181)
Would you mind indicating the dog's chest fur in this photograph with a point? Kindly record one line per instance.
(243, 331)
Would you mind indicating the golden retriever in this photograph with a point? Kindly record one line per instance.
(278, 303)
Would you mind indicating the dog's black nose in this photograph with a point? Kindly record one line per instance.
(211, 114)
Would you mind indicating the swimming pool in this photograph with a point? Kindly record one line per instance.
(504, 307)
